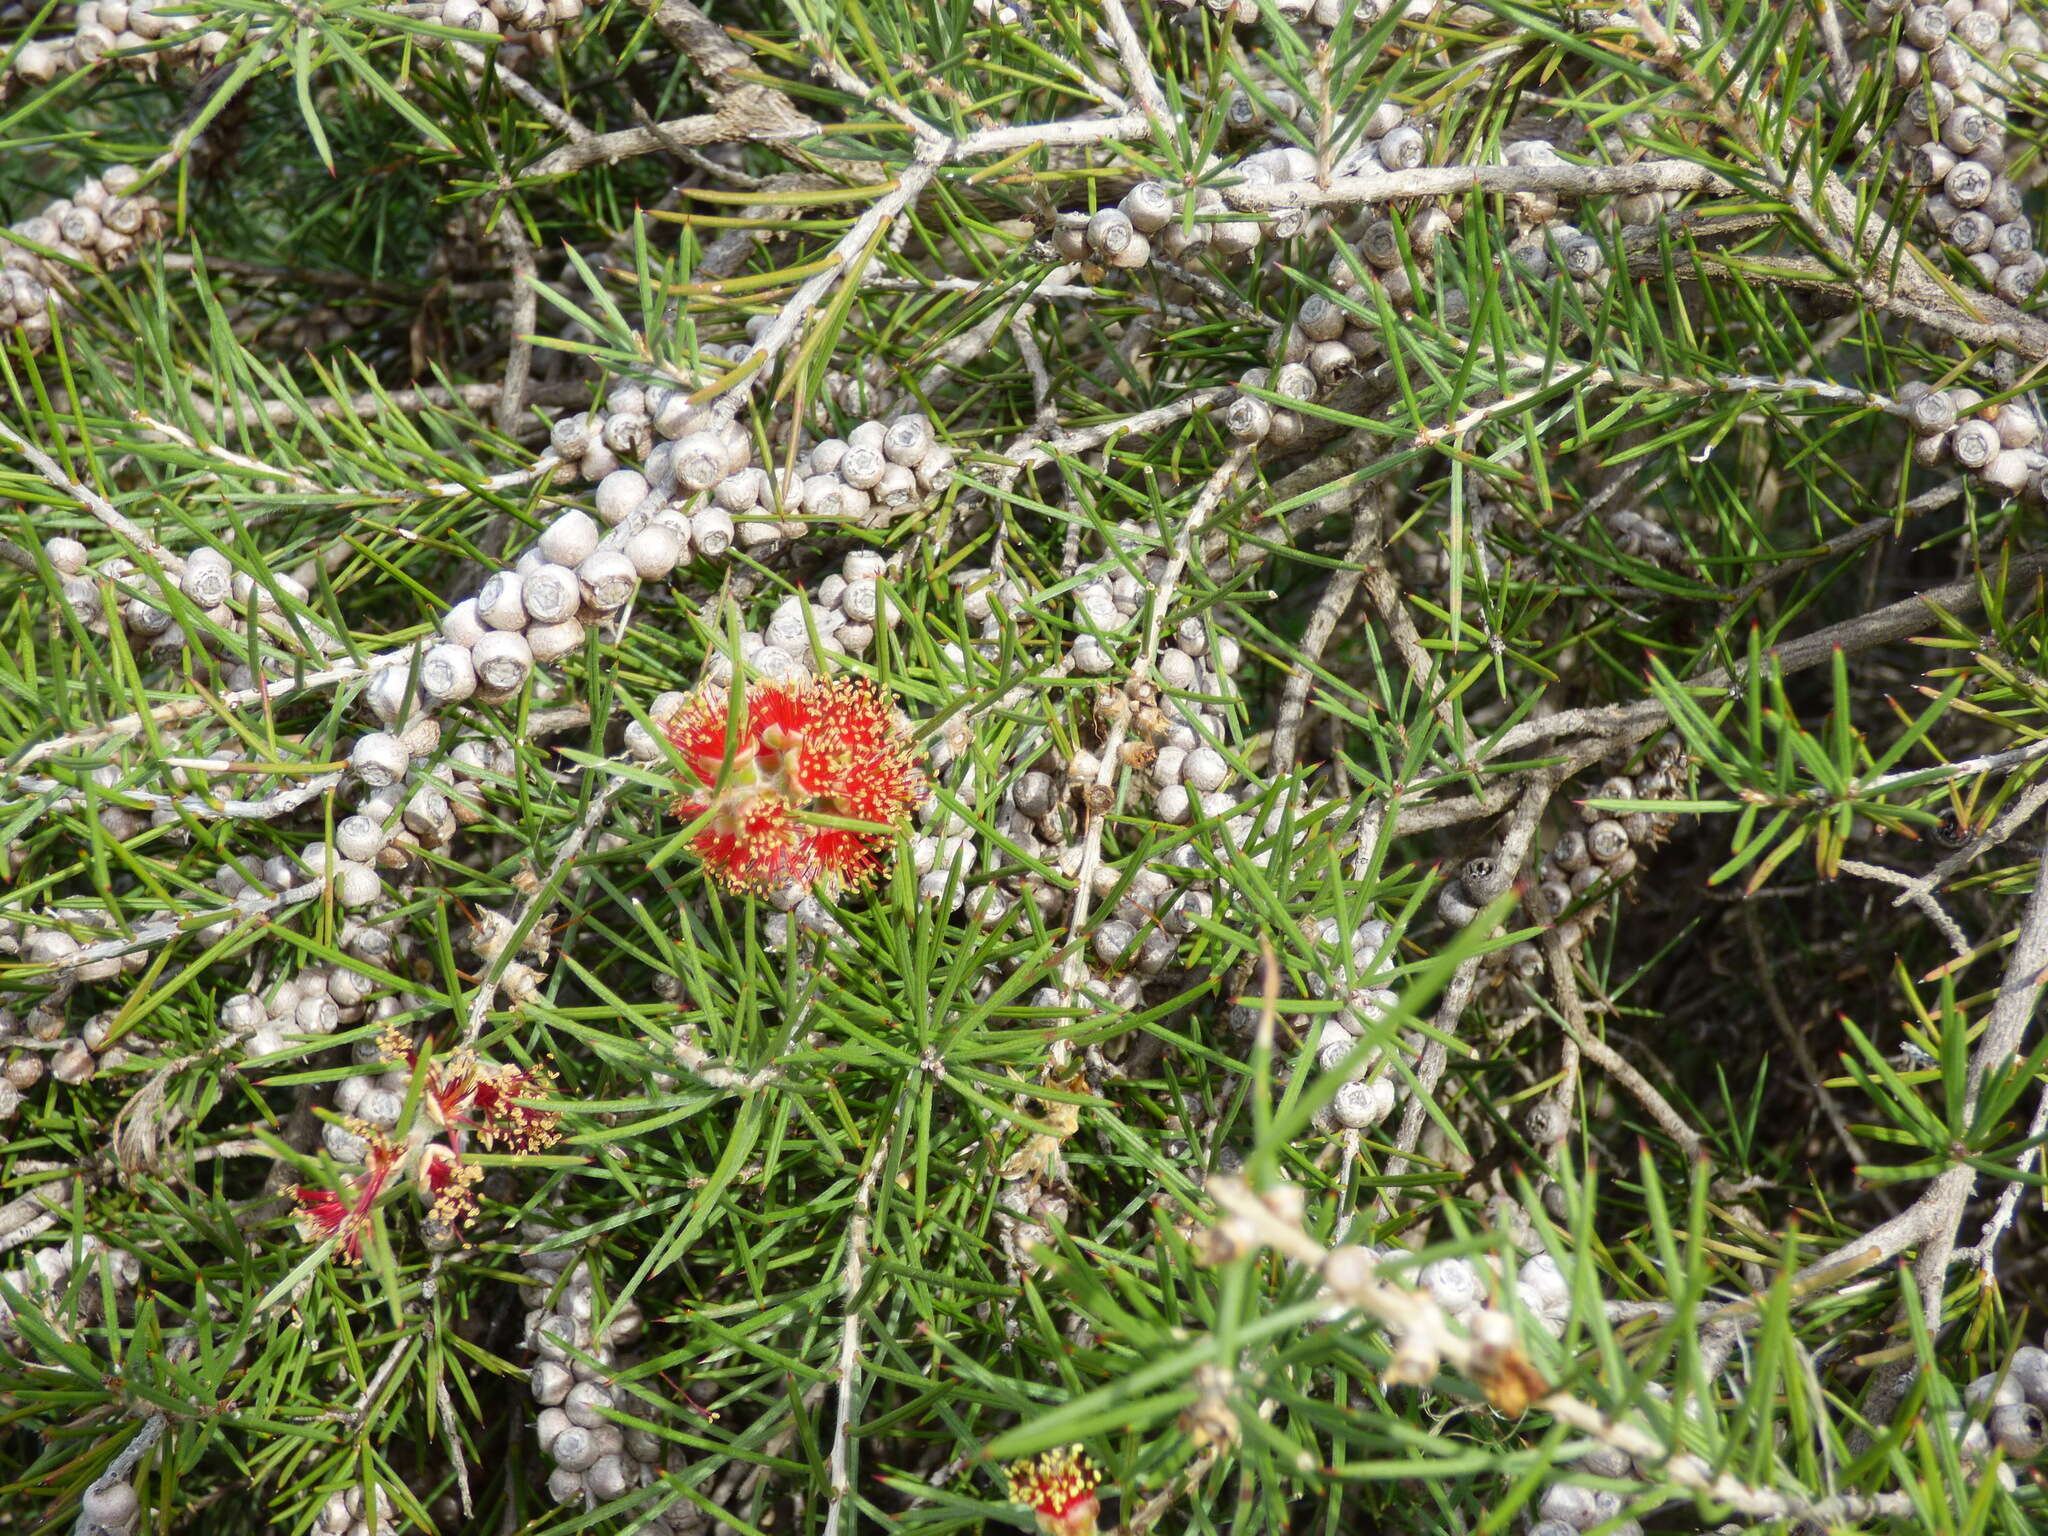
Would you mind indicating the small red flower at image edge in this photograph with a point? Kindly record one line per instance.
(1059, 1486)
(795, 751)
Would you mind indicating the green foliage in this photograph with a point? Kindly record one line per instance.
(791, 1158)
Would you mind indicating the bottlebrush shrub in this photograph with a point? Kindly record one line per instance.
(1298, 741)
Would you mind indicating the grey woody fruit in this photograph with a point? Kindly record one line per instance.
(1454, 906)
(1135, 254)
(503, 659)
(606, 1477)
(620, 492)
(1974, 444)
(67, 556)
(358, 837)
(379, 759)
(574, 1448)
(1972, 232)
(356, 885)
(654, 551)
(110, 1504)
(550, 593)
(585, 1404)
(1149, 207)
(2011, 470)
(1402, 148)
(909, 440)
(463, 626)
(711, 530)
(501, 602)
(1606, 841)
(2020, 1430)
(447, 674)
(1110, 231)
(1568, 1504)
(569, 539)
(208, 578)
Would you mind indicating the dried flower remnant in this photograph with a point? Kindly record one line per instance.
(795, 751)
(461, 1095)
(1059, 1485)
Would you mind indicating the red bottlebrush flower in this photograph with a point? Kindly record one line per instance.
(448, 1185)
(500, 1110)
(324, 1213)
(463, 1092)
(807, 749)
(1060, 1487)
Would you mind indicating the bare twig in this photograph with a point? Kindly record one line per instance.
(1929, 907)
(841, 1471)
(1572, 1012)
(1425, 1341)
(525, 302)
(1322, 624)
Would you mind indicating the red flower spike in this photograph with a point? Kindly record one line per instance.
(448, 1185)
(500, 1110)
(813, 748)
(323, 1213)
(1060, 1487)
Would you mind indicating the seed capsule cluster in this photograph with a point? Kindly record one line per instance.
(1951, 62)
(1567, 1508)
(1463, 1288)
(1585, 865)
(234, 608)
(349, 1514)
(1319, 14)
(575, 1350)
(1999, 445)
(2007, 1412)
(1356, 972)
(530, 28)
(96, 229)
(147, 37)
(318, 1000)
(137, 35)
(42, 1039)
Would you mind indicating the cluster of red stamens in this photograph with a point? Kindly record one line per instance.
(767, 774)
(1059, 1485)
(460, 1095)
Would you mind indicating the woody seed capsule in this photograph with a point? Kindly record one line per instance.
(551, 642)
(1972, 232)
(569, 539)
(619, 492)
(207, 578)
(1968, 184)
(502, 658)
(1402, 148)
(655, 551)
(1110, 231)
(1149, 207)
(379, 759)
(501, 603)
(909, 440)
(550, 593)
(1975, 444)
(608, 579)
